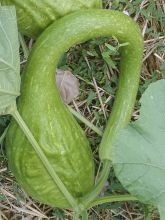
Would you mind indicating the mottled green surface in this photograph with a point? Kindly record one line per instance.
(52, 125)
(35, 15)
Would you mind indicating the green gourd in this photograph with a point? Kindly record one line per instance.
(35, 15)
(56, 131)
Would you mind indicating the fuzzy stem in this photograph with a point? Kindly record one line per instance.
(109, 199)
(76, 216)
(84, 215)
(88, 198)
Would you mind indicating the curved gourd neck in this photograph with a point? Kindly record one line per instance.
(79, 27)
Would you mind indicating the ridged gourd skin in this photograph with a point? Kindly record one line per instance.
(56, 131)
(35, 15)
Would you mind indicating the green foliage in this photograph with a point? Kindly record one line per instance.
(9, 59)
(4, 120)
(142, 169)
(162, 68)
(143, 86)
(58, 213)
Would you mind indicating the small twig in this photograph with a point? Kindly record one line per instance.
(99, 96)
(144, 28)
(149, 53)
(141, 6)
(86, 59)
(3, 170)
(154, 39)
(160, 58)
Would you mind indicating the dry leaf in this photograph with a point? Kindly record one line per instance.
(67, 84)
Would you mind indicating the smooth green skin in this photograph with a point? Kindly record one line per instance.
(35, 15)
(52, 125)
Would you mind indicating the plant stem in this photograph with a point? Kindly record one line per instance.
(84, 215)
(85, 121)
(148, 212)
(109, 199)
(76, 216)
(72, 201)
(3, 135)
(24, 46)
(88, 198)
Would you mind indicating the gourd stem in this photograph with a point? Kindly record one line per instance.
(148, 212)
(88, 198)
(72, 201)
(108, 199)
(84, 215)
(76, 216)
(85, 121)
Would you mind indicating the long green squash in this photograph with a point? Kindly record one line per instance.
(58, 134)
(35, 15)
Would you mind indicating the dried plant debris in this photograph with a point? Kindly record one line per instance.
(68, 85)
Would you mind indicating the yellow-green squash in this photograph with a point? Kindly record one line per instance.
(56, 131)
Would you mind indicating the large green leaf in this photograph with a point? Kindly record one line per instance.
(139, 150)
(9, 59)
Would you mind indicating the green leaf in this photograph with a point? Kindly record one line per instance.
(108, 60)
(111, 48)
(9, 59)
(139, 150)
